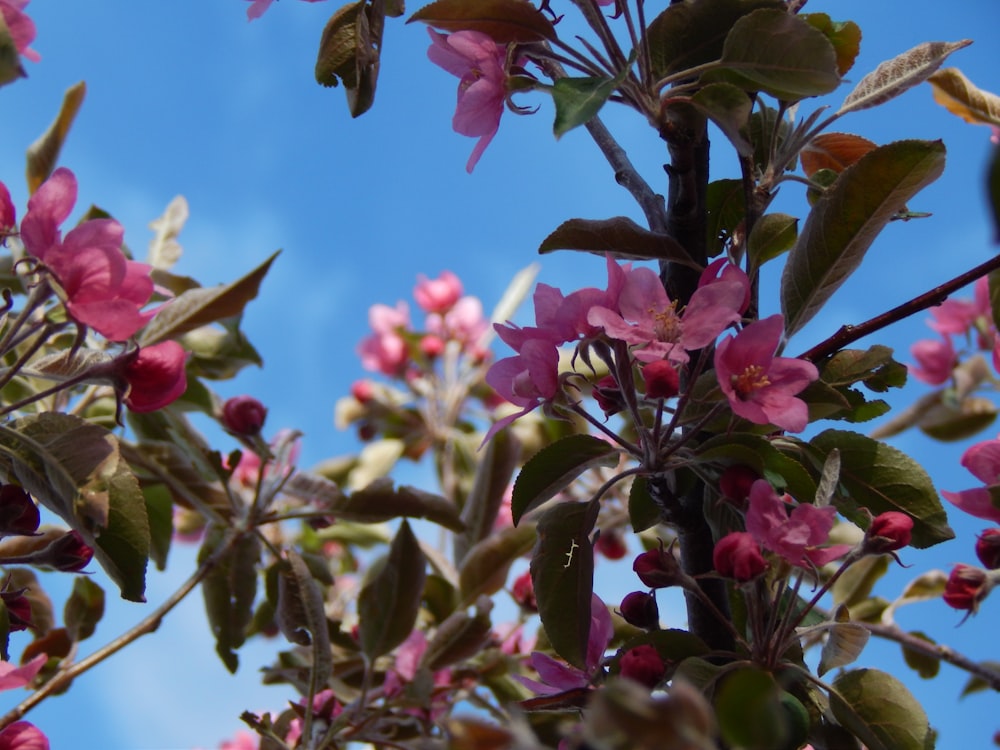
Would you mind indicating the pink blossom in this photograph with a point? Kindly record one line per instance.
(385, 350)
(324, 707)
(557, 676)
(722, 270)
(983, 460)
(935, 360)
(478, 62)
(959, 316)
(8, 214)
(102, 288)
(15, 677)
(737, 555)
(21, 28)
(258, 7)
(795, 536)
(23, 735)
(761, 387)
(647, 318)
(156, 377)
(405, 669)
(464, 323)
(437, 295)
(527, 380)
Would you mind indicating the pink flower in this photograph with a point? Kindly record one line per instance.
(737, 556)
(935, 360)
(761, 387)
(8, 214)
(464, 323)
(478, 61)
(959, 316)
(258, 7)
(795, 536)
(983, 460)
(23, 735)
(966, 588)
(722, 270)
(889, 531)
(557, 676)
(385, 350)
(647, 318)
(15, 677)
(102, 288)
(527, 380)
(437, 295)
(324, 708)
(156, 377)
(21, 28)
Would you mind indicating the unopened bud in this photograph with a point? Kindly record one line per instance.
(661, 378)
(639, 608)
(608, 395)
(612, 545)
(18, 512)
(243, 415)
(737, 555)
(888, 532)
(658, 568)
(967, 586)
(523, 592)
(643, 664)
(735, 483)
(18, 609)
(68, 553)
(988, 548)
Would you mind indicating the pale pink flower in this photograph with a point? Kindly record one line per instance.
(722, 270)
(795, 536)
(464, 323)
(935, 360)
(649, 319)
(102, 288)
(242, 740)
(21, 28)
(385, 350)
(760, 386)
(983, 461)
(437, 295)
(14, 677)
(959, 316)
(156, 377)
(478, 62)
(258, 7)
(557, 676)
(23, 735)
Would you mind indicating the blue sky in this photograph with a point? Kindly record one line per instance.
(189, 98)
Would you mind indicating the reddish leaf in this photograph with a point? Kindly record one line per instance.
(835, 151)
(504, 20)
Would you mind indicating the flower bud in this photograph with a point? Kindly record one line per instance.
(18, 609)
(432, 346)
(18, 512)
(988, 548)
(737, 555)
(363, 391)
(735, 483)
(643, 664)
(608, 395)
(967, 586)
(437, 295)
(661, 378)
(243, 415)
(611, 545)
(658, 568)
(155, 376)
(639, 608)
(68, 553)
(888, 532)
(523, 592)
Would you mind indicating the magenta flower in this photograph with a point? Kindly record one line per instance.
(761, 387)
(935, 360)
(100, 286)
(156, 377)
(795, 536)
(437, 295)
(385, 350)
(8, 214)
(527, 380)
(21, 28)
(737, 555)
(14, 677)
(983, 460)
(478, 62)
(23, 735)
(959, 316)
(258, 7)
(647, 318)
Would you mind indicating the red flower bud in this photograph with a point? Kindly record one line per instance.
(243, 415)
(523, 592)
(432, 346)
(888, 531)
(643, 664)
(18, 609)
(735, 483)
(988, 548)
(967, 586)
(737, 555)
(363, 391)
(69, 553)
(658, 568)
(18, 512)
(639, 609)
(608, 395)
(611, 545)
(155, 377)
(661, 378)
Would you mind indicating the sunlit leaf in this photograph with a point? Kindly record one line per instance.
(620, 236)
(845, 36)
(956, 93)
(504, 20)
(926, 586)
(834, 151)
(847, 219)
(772, 235)
(879, 710)
(43, 154)
(164, 250)
(844, 644)
(577, 100)
(892, 77)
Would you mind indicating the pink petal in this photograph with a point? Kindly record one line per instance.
(15, 677)
(23, 735)
(977, 502)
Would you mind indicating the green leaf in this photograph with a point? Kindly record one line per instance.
(689, 34)
(555, 466)
(779, 54)
(892, 77)
(199, 307)
(459, 637)
(577, 100)
(772, 235)
(302, 615)
(84, 609)
(879, 710)
(10, 61)
(875, 367)
(159, 511)
(493, 474)
(643, 512)
(993, 281)
(562, 571)
(729, 108)
(123, 542)
(484, 569)
(748, 707)
(924, 665)
(978, 684)
(844, 36)
(219, 352)
(857, 582)
(757, 452)
(504, 20)
(880, 478)
(43, 154)
(380, 501)
(229, 589)
(847, 219)
(948, 421)
(390, 599)
(620, 236)
(725, 206)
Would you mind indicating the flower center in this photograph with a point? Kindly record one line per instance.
(751, 379)
(666, 324)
